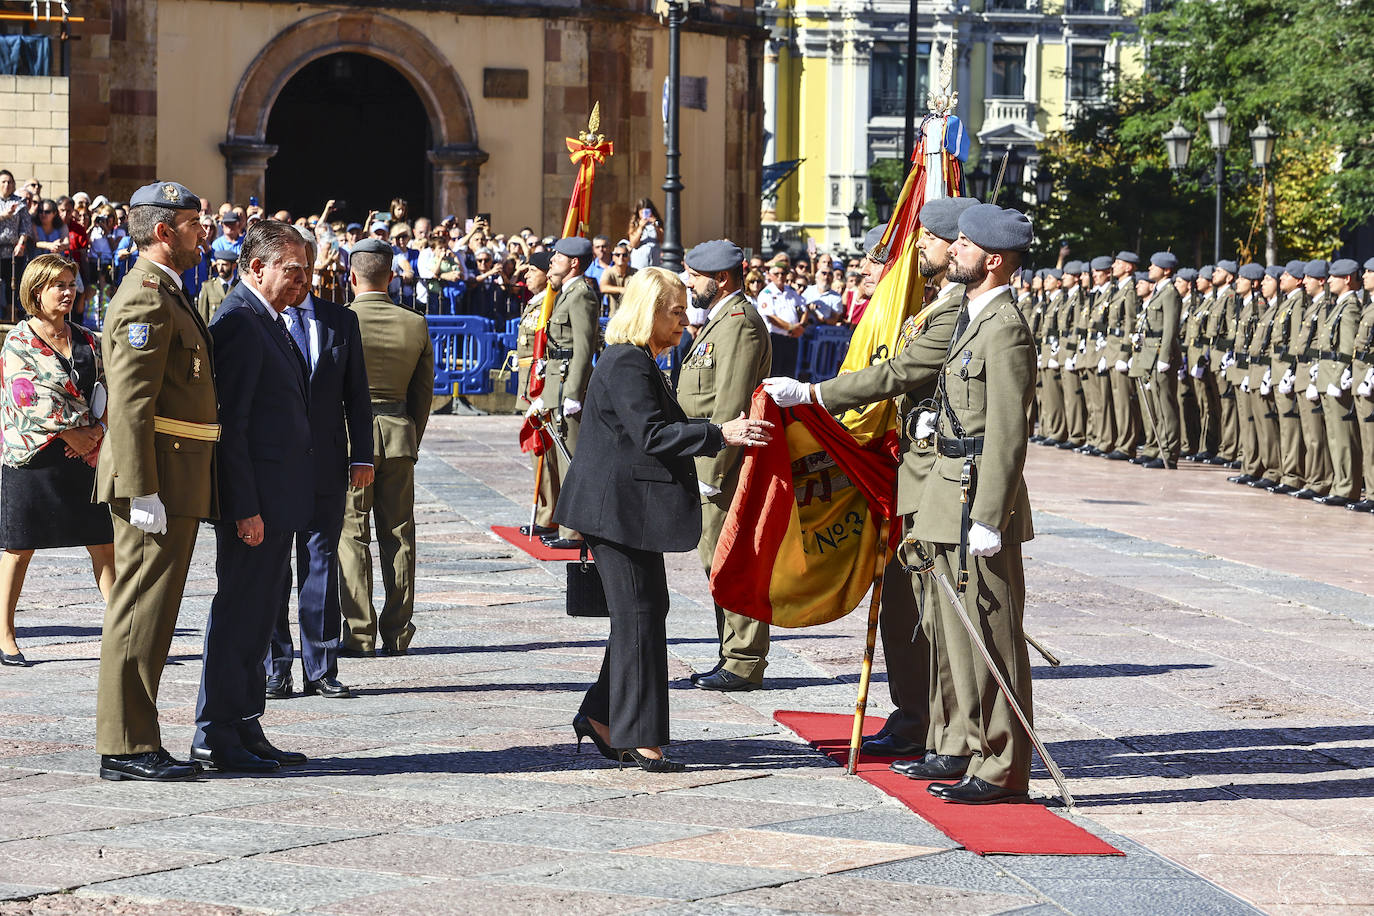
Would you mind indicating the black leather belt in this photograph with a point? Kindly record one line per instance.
(1152, 334)
(560, 353)
(1242, 361)
(1365, 356)
(959, 448)
(1333, 354)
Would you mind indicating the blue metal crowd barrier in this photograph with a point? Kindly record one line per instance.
(822, 350)
(465, 352)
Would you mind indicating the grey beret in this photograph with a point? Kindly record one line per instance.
(714, 256)
(574, 246)
(373, 246)
(1130, 257)
(1073, 268)
(1274, 270)
(1296, 269)
(1369, 265)
(540, 260)
(1102, 262)
(1345, 267)
(1317, 269)
(1205, 272)
(940, 217)
(168, 194)
(873, 237)
(992, 228)
(1229, 266)
(226, 254)
(1252, 272)
(1054, 273)
(1142, 276)
(1187, 274)
(1040, 273)
(1164, 260)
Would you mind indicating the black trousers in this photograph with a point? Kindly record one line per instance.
(631, 692)
(317, 597)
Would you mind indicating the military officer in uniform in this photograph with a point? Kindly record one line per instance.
(574, 337)
(1258, 381)
(399, 358)
(156, 471)
(1284, 356)
(1054, 428)
(728, 358)
(1335, 346)
(1248, 277)
(537, 282)
(1189, 419)
(1097, 383)
(1201, 379)
(1071, 358)
(1122, 309)
(1363, 374)
(1317, 466)
(1221, 334)
(212, 292)
(1157, 359)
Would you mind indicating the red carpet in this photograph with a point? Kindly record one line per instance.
(532, 545)
(1011, 829)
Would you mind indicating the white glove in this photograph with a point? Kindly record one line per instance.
(1135, 338)
(1346, 379)
(707, 489)
(1286, 383)
(787, 392)
(1198, 371)
(1122, 366)
(1101, 341)
(1072, 363)
(983, 541)
(1161, 366)
(1228, 360)
(1184, 317)
(1040, 361)
(1245, 384)
(1054, 347)
(571, 408)
(536, 406)
(1312, 393)
(148, 514)
(1367, 386)
(1102, 365)
(1082, 346)
(1312, 373)
(1333, 391)
(1182, 373)
(1054, 364)
(925, 424)
(1266, 384)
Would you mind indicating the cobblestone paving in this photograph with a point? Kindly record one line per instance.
(1213, 719)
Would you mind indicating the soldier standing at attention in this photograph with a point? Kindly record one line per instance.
(1201, 379)
(1283, 367)
(1221, 332)
(574, 338)
(1259, 381)
(1317, 467)
(1054, 429)
(399, 358)
(1157, 360)
(1335, 346)
(537, 282)
(728, 358)
(1122, 309)
(1097, 381)
(1070, 355)
(1188, 421)
(1238, 371)
(1363, 374)
(212, 292)
(157, 473)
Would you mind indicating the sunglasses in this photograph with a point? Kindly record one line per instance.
(46, 210)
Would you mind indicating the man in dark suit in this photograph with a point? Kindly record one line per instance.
(267, 493)
(341, 420)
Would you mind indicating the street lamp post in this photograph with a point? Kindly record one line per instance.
(856, 225)
(1044, 186)
(1262, 140)
(671, 250)
(1220, 132)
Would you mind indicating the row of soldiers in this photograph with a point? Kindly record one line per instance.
(1266, 370)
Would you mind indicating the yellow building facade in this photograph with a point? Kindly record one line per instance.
(835, 86)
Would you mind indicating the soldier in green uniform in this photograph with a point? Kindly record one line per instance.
(537, 282)
(1123, 305)
(574, 334)
(218, 284)
(1054, 427)
(1071, 346)
(1362, 370)
(1237, 365)
(1258, 380)
(1221, 332)
(1317, 465)
(729, 356)
(1189, 421)
(1157, 359)
(1283, 366)
(400, 376)
(1200, 378)
(1097, 377)
(156, 471)
(1335, 346)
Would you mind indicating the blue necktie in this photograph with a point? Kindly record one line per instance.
(300, 333)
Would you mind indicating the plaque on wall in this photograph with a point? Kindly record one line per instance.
(692, 92)
(499, 83)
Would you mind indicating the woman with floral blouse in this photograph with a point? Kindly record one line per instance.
(51, 413)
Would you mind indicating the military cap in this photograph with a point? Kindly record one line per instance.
(1369, 265)
(1164, 260)
(230, 217)
(1274, 270)
(1252, 272)
(873, 237)
(1228, 265)
(714, 256)
(1187, 274)
(1040, 273)
(540, 260)
(1345, 267)
(992, 228)
(1205, 272)
(1054, 273)
(373, 246)
(1296, 269)
(168, 194)
(574, 246)
(354, 227)
(226, 254)
(940, 216)
(1142, 276)
(1317, 269)
(1073, 268)
(1102, 262)
(1130, 257)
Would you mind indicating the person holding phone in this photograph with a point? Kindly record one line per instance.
(643, 235)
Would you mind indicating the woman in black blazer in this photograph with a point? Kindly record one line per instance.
(632, 491)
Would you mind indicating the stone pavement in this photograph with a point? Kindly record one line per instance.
(1212, 715)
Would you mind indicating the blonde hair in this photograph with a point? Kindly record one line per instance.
(42, 272)
(648, 293)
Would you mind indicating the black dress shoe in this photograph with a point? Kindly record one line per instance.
(1118, 455)
(726, 680)
(1284, 489)
(1158, 464)
(279, 688)
(1364, 505)
(346, 652)
(234, 760)
(1204, 457)
(1051, 443)
(267, 751)
(936, 766)
(1305, 493)
(17, 660)
(564, 544)
(1068, 445)
(1036, 440)
(384, 651)
(1332, 500)
(327, 687)
(698, 675)
(938, 789)
(975, 791)
(892, 746)
(1219, 462)
(1263, 483)
(166, 757)
(536, 531)
(1140, 459)
(151, 766)
(1243, 479)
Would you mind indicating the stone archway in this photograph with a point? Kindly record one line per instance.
(455, 158)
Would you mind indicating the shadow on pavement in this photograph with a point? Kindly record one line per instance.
(1044, 672)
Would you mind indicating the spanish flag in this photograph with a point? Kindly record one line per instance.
(802, 540)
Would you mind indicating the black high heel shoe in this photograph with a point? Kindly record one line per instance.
(582, 727)
(650, 764)
(17, 660)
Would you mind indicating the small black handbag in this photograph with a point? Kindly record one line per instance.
(586, 595)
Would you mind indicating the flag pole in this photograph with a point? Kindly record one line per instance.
(534, 505)
(870, 642)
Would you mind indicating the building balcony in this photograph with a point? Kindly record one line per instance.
(1008, 112)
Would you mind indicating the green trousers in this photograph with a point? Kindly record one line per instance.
(391, 498)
